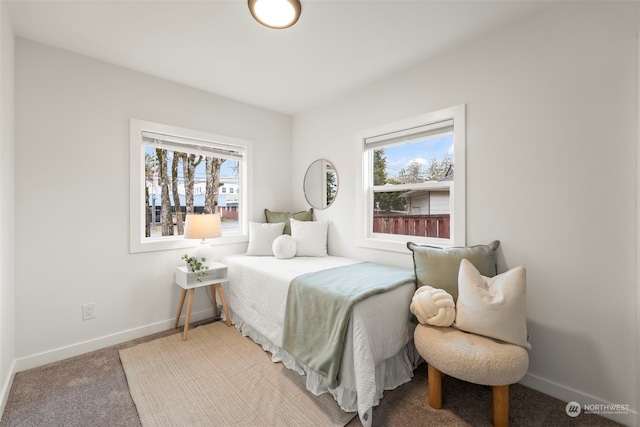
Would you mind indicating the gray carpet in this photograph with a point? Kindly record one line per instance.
(91, 390)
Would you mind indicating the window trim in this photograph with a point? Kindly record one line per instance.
(364, 181)
(137, 241)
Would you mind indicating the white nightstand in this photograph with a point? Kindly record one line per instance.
(186, 279)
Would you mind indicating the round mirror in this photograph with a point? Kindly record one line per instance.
(321, 184)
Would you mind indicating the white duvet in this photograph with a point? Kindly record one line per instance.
(379, 354)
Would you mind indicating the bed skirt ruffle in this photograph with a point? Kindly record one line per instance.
(390, 373)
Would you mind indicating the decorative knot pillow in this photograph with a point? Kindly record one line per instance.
(492, 306)
(438, 267)
(261, 237)
(284, 247)
(433, 306)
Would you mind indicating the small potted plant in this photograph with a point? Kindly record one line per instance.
(197, 266)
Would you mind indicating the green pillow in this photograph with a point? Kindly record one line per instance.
(439, 267)
(286, 216)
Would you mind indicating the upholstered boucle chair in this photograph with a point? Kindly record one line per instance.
(472, 358)
(488, 342)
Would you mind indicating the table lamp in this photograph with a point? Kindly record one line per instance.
(202, 226)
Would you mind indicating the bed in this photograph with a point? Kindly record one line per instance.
(378, 351)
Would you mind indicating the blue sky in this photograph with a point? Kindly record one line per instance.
(399, 156)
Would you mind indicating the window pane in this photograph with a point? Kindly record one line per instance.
(421, 212)
(424, 213)
(429, 159)
(178, 182)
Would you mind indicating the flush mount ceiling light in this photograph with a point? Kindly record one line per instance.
(275, 13)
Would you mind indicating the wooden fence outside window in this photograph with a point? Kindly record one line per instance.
(413, 225)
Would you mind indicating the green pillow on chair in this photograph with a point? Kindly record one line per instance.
(439, 267)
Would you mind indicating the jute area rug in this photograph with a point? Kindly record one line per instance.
(220, 378)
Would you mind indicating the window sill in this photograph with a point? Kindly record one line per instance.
(160, 244)
(401, 245)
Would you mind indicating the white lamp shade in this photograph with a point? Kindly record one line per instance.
(203, 226)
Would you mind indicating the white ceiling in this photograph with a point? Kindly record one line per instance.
(216, 46)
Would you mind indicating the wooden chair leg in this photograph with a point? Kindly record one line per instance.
(501, 405)
(435, 387)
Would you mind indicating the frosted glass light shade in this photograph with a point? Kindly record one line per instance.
(275, 13)
(203, 226)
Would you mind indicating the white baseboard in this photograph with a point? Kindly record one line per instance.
(61, 353)
(6, 387)
(626, 417)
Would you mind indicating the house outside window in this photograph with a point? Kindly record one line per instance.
(176, 171)
(412, 185)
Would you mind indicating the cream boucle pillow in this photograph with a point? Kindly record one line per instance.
(492, 306)
(433, 306)
(284, 247)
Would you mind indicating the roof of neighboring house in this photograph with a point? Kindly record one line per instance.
(415, 193)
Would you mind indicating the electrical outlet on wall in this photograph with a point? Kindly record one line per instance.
(88, 311)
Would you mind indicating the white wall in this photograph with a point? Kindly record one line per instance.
(638, 236)
(72, 197)
(7, 271)
(551, 173)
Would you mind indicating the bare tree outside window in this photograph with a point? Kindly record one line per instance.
(179, 183)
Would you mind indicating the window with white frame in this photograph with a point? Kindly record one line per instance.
(176, 171)
(412, 185)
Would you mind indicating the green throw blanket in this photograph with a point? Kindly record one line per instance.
(319, 308)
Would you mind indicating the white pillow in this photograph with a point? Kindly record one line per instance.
(261, 237)
(311, 237)
(493, 307)
(284, 247)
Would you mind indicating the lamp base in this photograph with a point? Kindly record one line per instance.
(204, 250)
